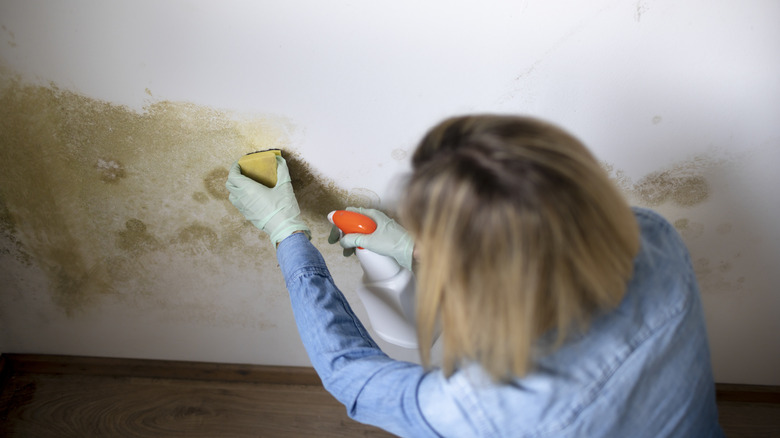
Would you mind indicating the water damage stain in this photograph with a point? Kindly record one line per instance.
(135, 239)
(689, 229)
(214, 182)
(670, 185)
(718, 277)
(197, 238)
(110, 170)
(9, 244)
(74, 170)
(317, 196)
(683, 184)
(200, 198)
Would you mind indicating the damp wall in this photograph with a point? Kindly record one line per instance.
(118, 121)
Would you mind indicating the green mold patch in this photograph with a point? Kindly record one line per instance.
(105, 201)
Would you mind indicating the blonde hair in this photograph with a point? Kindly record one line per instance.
(520, 233)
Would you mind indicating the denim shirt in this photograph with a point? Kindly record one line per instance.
(641, 370)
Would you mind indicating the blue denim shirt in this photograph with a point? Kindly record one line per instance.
(642, 370)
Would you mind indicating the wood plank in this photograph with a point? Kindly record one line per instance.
(119, 367)
(6, 371)
(749, 420)
(727, 392)
(84, 404)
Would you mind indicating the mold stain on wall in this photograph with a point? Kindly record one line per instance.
(110, 203)
(679, 188)
(682, 184)
(10, 245)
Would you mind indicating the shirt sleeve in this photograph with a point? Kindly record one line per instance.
(375, 388)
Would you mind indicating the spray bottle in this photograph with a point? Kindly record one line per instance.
(388, 289)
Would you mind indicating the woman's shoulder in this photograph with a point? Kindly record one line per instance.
(658, 236)
(650, 218)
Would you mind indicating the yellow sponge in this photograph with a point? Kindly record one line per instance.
(261, 166)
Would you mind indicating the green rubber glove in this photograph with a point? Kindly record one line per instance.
(389, 239)
(273, 210)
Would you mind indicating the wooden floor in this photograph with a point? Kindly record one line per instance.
(59, 396)
(55, 396)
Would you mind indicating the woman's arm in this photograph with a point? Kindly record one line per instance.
(375, 389)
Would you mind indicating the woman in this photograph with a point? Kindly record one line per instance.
(563, 312)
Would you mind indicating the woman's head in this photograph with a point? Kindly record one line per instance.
(519, 232)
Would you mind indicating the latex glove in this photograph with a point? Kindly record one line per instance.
(273, 210)
(389, 239)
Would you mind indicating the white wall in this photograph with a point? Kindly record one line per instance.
(681, 99)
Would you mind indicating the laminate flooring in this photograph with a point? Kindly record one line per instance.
(87, 397)
(57, 396)
(95, 406)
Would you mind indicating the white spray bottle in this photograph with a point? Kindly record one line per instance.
(388, 289)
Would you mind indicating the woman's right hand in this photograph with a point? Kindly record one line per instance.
(390, 238)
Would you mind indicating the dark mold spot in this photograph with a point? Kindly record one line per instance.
(197, 238)
(684, 191)
(200, 197)
(215, 183)
(317, 196)
(689, 229)
(681, 224)
(683, 184)
(7, 224)
(135, 239)
(691, 191)
(9, 243)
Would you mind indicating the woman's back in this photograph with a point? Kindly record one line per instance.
(640, 370)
